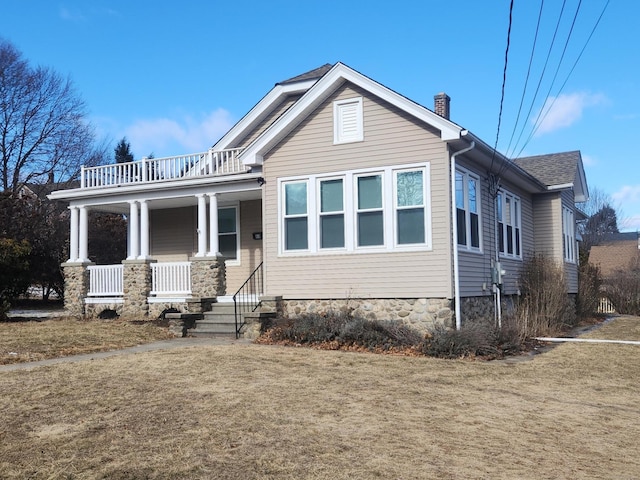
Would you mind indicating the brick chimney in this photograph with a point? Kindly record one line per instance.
(441, 103)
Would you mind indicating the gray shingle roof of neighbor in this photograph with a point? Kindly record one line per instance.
(310, 75)
(553, 168)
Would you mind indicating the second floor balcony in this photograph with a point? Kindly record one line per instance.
(209, 163)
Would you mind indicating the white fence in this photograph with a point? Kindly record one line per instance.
(220, 162)
(605, 306)
(105, 280)
(171, 278)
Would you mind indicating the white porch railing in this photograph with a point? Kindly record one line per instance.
(105, 280)
(171, 278)
(221, 162)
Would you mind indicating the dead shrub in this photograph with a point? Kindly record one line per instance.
(341, 329)
(474, 339)
(544, 307)
(623, 289)
(589, 283)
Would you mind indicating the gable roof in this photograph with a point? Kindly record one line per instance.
(314, 74)
(558, 171)
(615, 255)
(322, 89)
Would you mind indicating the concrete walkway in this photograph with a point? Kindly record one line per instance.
(147, 347)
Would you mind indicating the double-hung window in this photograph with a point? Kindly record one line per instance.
(568, 235)
(468, 209)
(372, 210)
(296, 216)
(509, 227)
(331, 213)
(228, 232)
(410, 207)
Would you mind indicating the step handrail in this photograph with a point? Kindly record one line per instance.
(247, 298)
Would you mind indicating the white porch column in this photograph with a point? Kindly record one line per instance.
(134, 231)
(73, 235)
(214, 247)
(202, 225)
(144, 230)
(83, 246)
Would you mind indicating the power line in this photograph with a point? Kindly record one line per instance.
(546, 62)
(526, 82)
(537, 125)
(504, 81)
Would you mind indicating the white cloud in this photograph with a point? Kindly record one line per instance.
(165, 137)
(627, 194)
(630, 224)
(628, 197)
(589, 161)
(566, 109)
(72, 16)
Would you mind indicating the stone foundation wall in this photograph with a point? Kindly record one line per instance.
(76, 286)
(419, 313)
(93, 310)
(475, 309)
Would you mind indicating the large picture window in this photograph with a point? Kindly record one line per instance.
(468, 209)
(509, 227)
(366, 210)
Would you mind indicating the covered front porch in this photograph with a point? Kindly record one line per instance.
(194, 234)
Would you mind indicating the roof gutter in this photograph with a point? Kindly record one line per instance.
(454, 234)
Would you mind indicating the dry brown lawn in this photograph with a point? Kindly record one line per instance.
(28, 341)
(271, 412)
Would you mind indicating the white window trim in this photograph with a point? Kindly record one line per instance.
(339, 136)
(320, 214)
(467, 247)
(238, 260)
(569, 247)
(389, 212)
(514, 198)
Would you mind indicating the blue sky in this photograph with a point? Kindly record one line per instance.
(173, 77)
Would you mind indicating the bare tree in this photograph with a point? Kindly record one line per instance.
(44, 133)
(602, 220)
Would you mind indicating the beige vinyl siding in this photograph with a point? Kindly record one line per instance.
(547, 221)
(172, 236)
(390, 138)
(269, 119)
(570, 268)
(250, 253)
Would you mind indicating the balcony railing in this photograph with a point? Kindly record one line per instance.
(212, 162)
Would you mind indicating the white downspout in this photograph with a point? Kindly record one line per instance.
(454, 234)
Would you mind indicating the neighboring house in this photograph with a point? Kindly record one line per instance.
(340, 193)
(616, 253)
(616, 256)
